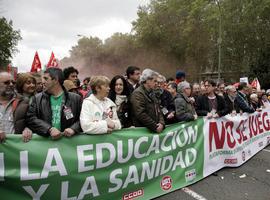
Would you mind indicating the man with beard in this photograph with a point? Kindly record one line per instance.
(12, 110)
(55, 111)
(145, 106)
(229, 98)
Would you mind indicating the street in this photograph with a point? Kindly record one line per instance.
(250, 181)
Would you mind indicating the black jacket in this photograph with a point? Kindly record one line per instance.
(230, 105)
(166, 102)
(39, 115)
(242, 103)
(203, 106)
(145, 109)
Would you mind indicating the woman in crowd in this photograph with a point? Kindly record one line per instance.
(98, 114)
(26, 89)
(119, 94)
(26, 86)
(183, 105)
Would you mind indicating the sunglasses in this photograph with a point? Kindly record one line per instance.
(9, 81)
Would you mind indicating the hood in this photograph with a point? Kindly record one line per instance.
(96, 101)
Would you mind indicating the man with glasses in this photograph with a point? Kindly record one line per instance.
(12, 110)
(229, 98)
(241, 101)
(145, 106)
(165, 100)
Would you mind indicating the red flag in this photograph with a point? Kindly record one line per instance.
(52, 62)
(256, 84)
(36, 65)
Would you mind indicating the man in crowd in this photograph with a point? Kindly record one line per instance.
(70, 73)
(145, 107)
(172, 88)
(241, 102)
(229, 98)
(133, 77)
(180, 76)
(211, 104)
(12, 110)
(55, 110)
(165, 100)
(221, 89)
(196, 92)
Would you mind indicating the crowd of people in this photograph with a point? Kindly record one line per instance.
(56, 104)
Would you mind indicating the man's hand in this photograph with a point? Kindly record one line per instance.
(68, 132)
(195, 117)
(55, 133)
(2, 136)
(215, 115)
(26, 135)
(171, 115)
(159, 128)
(209, 115)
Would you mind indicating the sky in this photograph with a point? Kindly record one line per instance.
(56, 25)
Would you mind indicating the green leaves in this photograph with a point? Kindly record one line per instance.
(8, 40)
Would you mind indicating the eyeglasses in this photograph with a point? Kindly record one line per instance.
(8, 82)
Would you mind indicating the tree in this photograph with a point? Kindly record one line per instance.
(8, 41)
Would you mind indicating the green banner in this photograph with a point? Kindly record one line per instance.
(127, 164)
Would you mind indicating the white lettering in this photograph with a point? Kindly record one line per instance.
(53, 154)
(90, 181)
(132, 176)
(38, 194)
(2, 167)
(99, 151)
(164, 170)
(64, 192)
(25, 175)
(117, 181)
(83, 158)
(137, 153)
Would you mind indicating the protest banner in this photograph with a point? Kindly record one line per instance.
(130, 163)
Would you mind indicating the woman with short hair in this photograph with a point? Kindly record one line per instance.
(26, 89)
(183, 104)
(98, 114)
(26, 86)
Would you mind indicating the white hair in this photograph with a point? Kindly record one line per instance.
(229, 87)
(147, 74)
(162, 78)
(253, 96)
(182, 85)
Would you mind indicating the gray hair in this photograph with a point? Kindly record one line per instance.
(229, 87)
(147, 74)
(253, 96)
(182, 85)
(162, 78)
